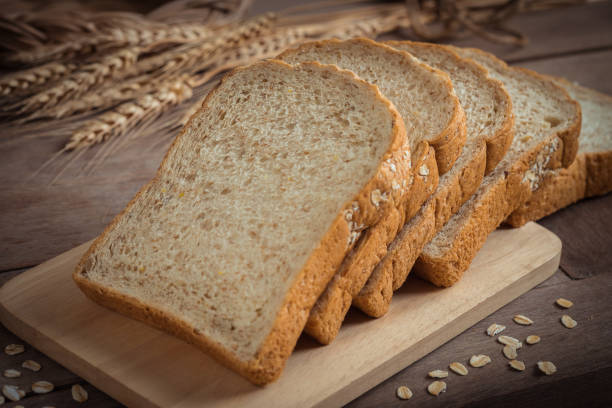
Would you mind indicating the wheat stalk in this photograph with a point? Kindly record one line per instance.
(34, 77)
(106, 97)
(82, 80)
(128, 115)
(109, 38)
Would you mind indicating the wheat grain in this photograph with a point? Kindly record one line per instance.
(34, 77)
(128, 115)
(82, 81)
(139, 33)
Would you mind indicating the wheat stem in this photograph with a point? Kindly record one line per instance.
(128, 115)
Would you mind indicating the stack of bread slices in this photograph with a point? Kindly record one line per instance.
(320, 179)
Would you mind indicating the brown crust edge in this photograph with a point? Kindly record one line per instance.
(498, 202)
(319, 268)
(393, 270)
(590, 175)
(375, 298)
(327, 316)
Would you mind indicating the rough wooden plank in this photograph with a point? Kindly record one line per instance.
(577, 353)
(45, 307)
(554, 32)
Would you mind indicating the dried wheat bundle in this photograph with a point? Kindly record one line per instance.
(128, 65)
(81, 81)
(33, 78)
(128, 115)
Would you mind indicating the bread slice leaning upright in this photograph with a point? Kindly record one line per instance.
(591, 173)
(547, 125)
(251, 212)
(488, 111)
(427, 102)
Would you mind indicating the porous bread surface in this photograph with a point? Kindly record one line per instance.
(591, 172)
(489, 121)
(484, 100)
(547, 125)
(251, 212)
(423, 96)
(454, 189)
(488, 110)
(446, 121)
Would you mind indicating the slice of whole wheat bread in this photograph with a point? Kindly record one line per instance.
(547, 125)
(590, 174)
(426, 100)
(251, 212)
(488, 110)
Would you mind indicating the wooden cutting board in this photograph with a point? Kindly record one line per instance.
(141, 366)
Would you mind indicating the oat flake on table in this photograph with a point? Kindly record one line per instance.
(568, 322)
(403, 392)
(495, 329)
(458, 368)
(436, 388)
(480, 360)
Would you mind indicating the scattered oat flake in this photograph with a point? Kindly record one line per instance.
(436, 388)
(517, 365)
(480, 360)
(533, 339)
(568, 322)
(438, 374)
(495, 329)
(522, 320)
(42, 387)
(564, 303)
(13, 349)
(458, 368)
(11, 392)
(402, 392)
(12, 373)
(18, 406)
(510, 352)
(31, 365)
(547, 367)
(510, 341)
(79, 394)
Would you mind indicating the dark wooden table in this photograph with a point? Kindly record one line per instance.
(39, 220)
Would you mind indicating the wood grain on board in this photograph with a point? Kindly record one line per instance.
(582, 356)
(141, 366)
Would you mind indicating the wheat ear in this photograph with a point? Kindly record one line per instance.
(34, 77)
(82, 80)
(129, 115)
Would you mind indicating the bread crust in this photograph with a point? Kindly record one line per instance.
(375, 297)
(330, 309)
(326, 317)
(390, 274)
(322, 263)
(590, 175)
(507, 191)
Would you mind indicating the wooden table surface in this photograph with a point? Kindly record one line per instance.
(39, 220)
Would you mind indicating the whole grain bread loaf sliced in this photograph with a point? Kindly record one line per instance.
(488, 110)
(590, 174)
(426, 100)
(252, 211)
(547, 125)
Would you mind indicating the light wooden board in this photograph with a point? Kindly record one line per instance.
(141, 366)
